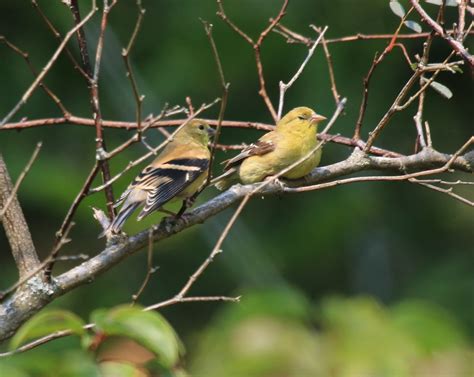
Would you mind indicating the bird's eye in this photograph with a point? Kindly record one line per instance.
(301, 117)
(201, 127)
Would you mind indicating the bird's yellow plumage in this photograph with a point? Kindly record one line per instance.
(178, 172)
(293, 138)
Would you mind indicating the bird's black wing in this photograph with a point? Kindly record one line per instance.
(162, 183)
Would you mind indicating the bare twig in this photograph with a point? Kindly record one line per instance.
(461, 20)
(398, 106)
(455, 44)
(48, 66)
(332, 77)
(176, 122)
(44, 340)
(67, 222)
(57, 35)
(377, 60)
(225, 94)
(256, 47)
(177, 300)
(93, 84)
(150, 268)
(447, 191)
(284, 86)
(293, 37)
(44, 265)
(20, 179)
(126, 57)
(47, 90)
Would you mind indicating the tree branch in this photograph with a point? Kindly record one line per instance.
(16, 227)
(455, 44)
(13, 313)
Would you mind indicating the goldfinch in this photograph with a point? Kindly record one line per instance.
(293, 138)
(178, 172)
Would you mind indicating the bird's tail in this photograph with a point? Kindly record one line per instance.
(116, 225)
(224, 181)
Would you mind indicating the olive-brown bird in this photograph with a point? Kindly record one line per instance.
(294, 137)
(178, 172)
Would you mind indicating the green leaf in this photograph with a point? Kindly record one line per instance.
(449, 3)
(433, 328)
(397, 8)
(415, 26)
(117, 369)
(441, 89)
(149, 329)
(45, 323)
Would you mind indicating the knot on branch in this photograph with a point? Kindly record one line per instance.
(469, 157)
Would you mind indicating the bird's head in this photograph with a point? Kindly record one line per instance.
(300, 117)
(197, 130)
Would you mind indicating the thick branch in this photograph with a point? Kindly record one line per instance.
(15, 225)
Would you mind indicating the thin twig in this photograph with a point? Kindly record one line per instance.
(225, 94)
(48, 66)
(397, 106)
(44, 340)
(332, 76)
(176, 122)
(45, 264)
(284, 86)
(150, 268)
(256, 47)
(177, 300)
(20, 179)
(377, 60)
(67, 222)
(126, 57)
(57, 35)
(293, 37)
(42, 85)
(455, 44)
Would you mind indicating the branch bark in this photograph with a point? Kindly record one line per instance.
(15, 226)
(13, 311)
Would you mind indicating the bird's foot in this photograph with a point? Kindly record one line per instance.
(276, 181)
(115, 238)
(169, 222)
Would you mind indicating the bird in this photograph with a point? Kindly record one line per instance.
(178, 172)
(293, 138)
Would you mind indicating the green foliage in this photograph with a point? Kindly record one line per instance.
(432, 328)
(45, 323)
(397, 8)
(117, 369)
(357, 337)
(441, 89)
(51, 361)
(413, 25)
(147, 328)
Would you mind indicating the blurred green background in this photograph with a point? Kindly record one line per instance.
(367, 279)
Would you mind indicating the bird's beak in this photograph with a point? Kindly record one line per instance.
(211, 132)
(317, 118)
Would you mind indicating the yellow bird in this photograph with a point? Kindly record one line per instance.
(178, 172)
(293, 138)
